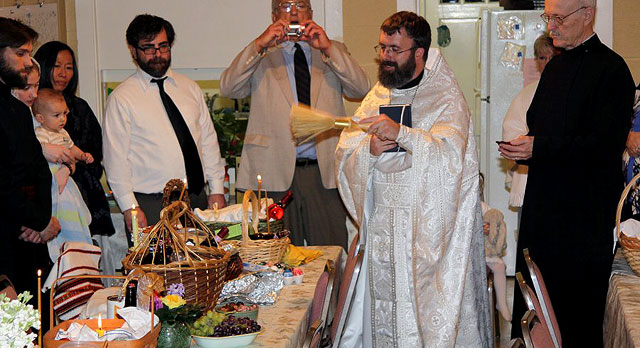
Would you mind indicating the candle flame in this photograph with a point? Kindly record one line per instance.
(39, 272)
(99, 321)
(184, 181)
(259, 178)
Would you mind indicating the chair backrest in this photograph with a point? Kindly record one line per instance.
(314, 335)
(516, 343)
(495, 324)
(548, 314)
(535, 333)
(323, 294)
(7, 288)
(345, 295)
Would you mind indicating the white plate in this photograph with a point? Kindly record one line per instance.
(226, 342)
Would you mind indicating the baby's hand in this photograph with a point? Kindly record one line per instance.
(87, 158)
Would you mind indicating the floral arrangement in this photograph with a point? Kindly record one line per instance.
(172, 308)
(16, 317)
(229, 128)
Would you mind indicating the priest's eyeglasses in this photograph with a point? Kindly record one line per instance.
(286, 6)
(390, 50)
(558, 19)
(151, 50)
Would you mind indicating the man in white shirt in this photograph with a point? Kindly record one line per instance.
(157, 127)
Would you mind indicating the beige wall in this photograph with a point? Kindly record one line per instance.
(626, 33)
(362, 19)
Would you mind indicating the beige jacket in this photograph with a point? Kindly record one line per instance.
(269, 148)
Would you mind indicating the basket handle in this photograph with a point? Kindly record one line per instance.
(623, 198)
(249, 198)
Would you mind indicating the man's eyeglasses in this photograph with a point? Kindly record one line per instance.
(151, 50)
(286, 6)
(390, 50)
(558, 19)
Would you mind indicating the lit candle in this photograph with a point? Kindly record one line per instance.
(40, 307)
(259, 193)
(100, 331)
(184, 187)
(266, 213)
(134, 225)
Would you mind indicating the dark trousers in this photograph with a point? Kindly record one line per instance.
(315, 214)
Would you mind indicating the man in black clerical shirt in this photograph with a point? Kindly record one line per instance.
(578, 124)
(26, 223)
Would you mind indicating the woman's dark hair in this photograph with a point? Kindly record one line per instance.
(146, 27)
(15, 34)
(47, 55)
(415, 26)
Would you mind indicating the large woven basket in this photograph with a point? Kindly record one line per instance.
(200, 269)
(257, 251)
(630, 245)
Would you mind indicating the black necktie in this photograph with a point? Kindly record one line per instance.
(192, 164)
(303, 79)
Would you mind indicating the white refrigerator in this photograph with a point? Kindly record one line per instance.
(506, 59)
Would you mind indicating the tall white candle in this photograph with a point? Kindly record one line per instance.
(134, 225)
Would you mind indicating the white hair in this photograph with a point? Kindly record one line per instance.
(588, 3)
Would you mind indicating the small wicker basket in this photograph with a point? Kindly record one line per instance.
(257, 251)
(630, 245)
(200, 269)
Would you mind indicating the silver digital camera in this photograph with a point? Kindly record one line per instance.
(295, 29)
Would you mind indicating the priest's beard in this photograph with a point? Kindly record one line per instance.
(11, 77)
(398, 77)
(155, 67)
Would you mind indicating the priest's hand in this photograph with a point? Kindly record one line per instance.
(382, 127)
(633, 144)
(315, 36)
(142, 219)
(62, 177)
(377, 146)
(520, 148)
(274, 34)
(214, 198)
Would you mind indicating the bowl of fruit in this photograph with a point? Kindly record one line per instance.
(229, 333)
(238, 309)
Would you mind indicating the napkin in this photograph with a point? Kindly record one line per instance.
(231, 213)
(296, 256)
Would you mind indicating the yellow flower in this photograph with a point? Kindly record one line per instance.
(173, 301)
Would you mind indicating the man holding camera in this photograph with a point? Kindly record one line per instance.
(293, 61)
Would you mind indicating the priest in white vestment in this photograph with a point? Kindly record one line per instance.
(423, 279)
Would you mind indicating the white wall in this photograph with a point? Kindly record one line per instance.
(209, 33)
(604, 22)
(408, 5)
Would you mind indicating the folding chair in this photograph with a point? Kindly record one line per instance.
(516, 343)
(543, 296)
(346, 291)
(320, 305)
(7, 288)
(535, 333)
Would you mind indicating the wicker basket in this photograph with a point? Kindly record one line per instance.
(257, 251)
(201, 269)
(150, 340)
(630, 245)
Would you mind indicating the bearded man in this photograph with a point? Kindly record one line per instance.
(157, 127)
(25, 181)
(423, 278)
(578, 124)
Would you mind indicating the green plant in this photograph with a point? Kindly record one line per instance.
(172, 307)
(229, 128)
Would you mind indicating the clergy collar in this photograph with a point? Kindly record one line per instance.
(587, 45)
(413, 82)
